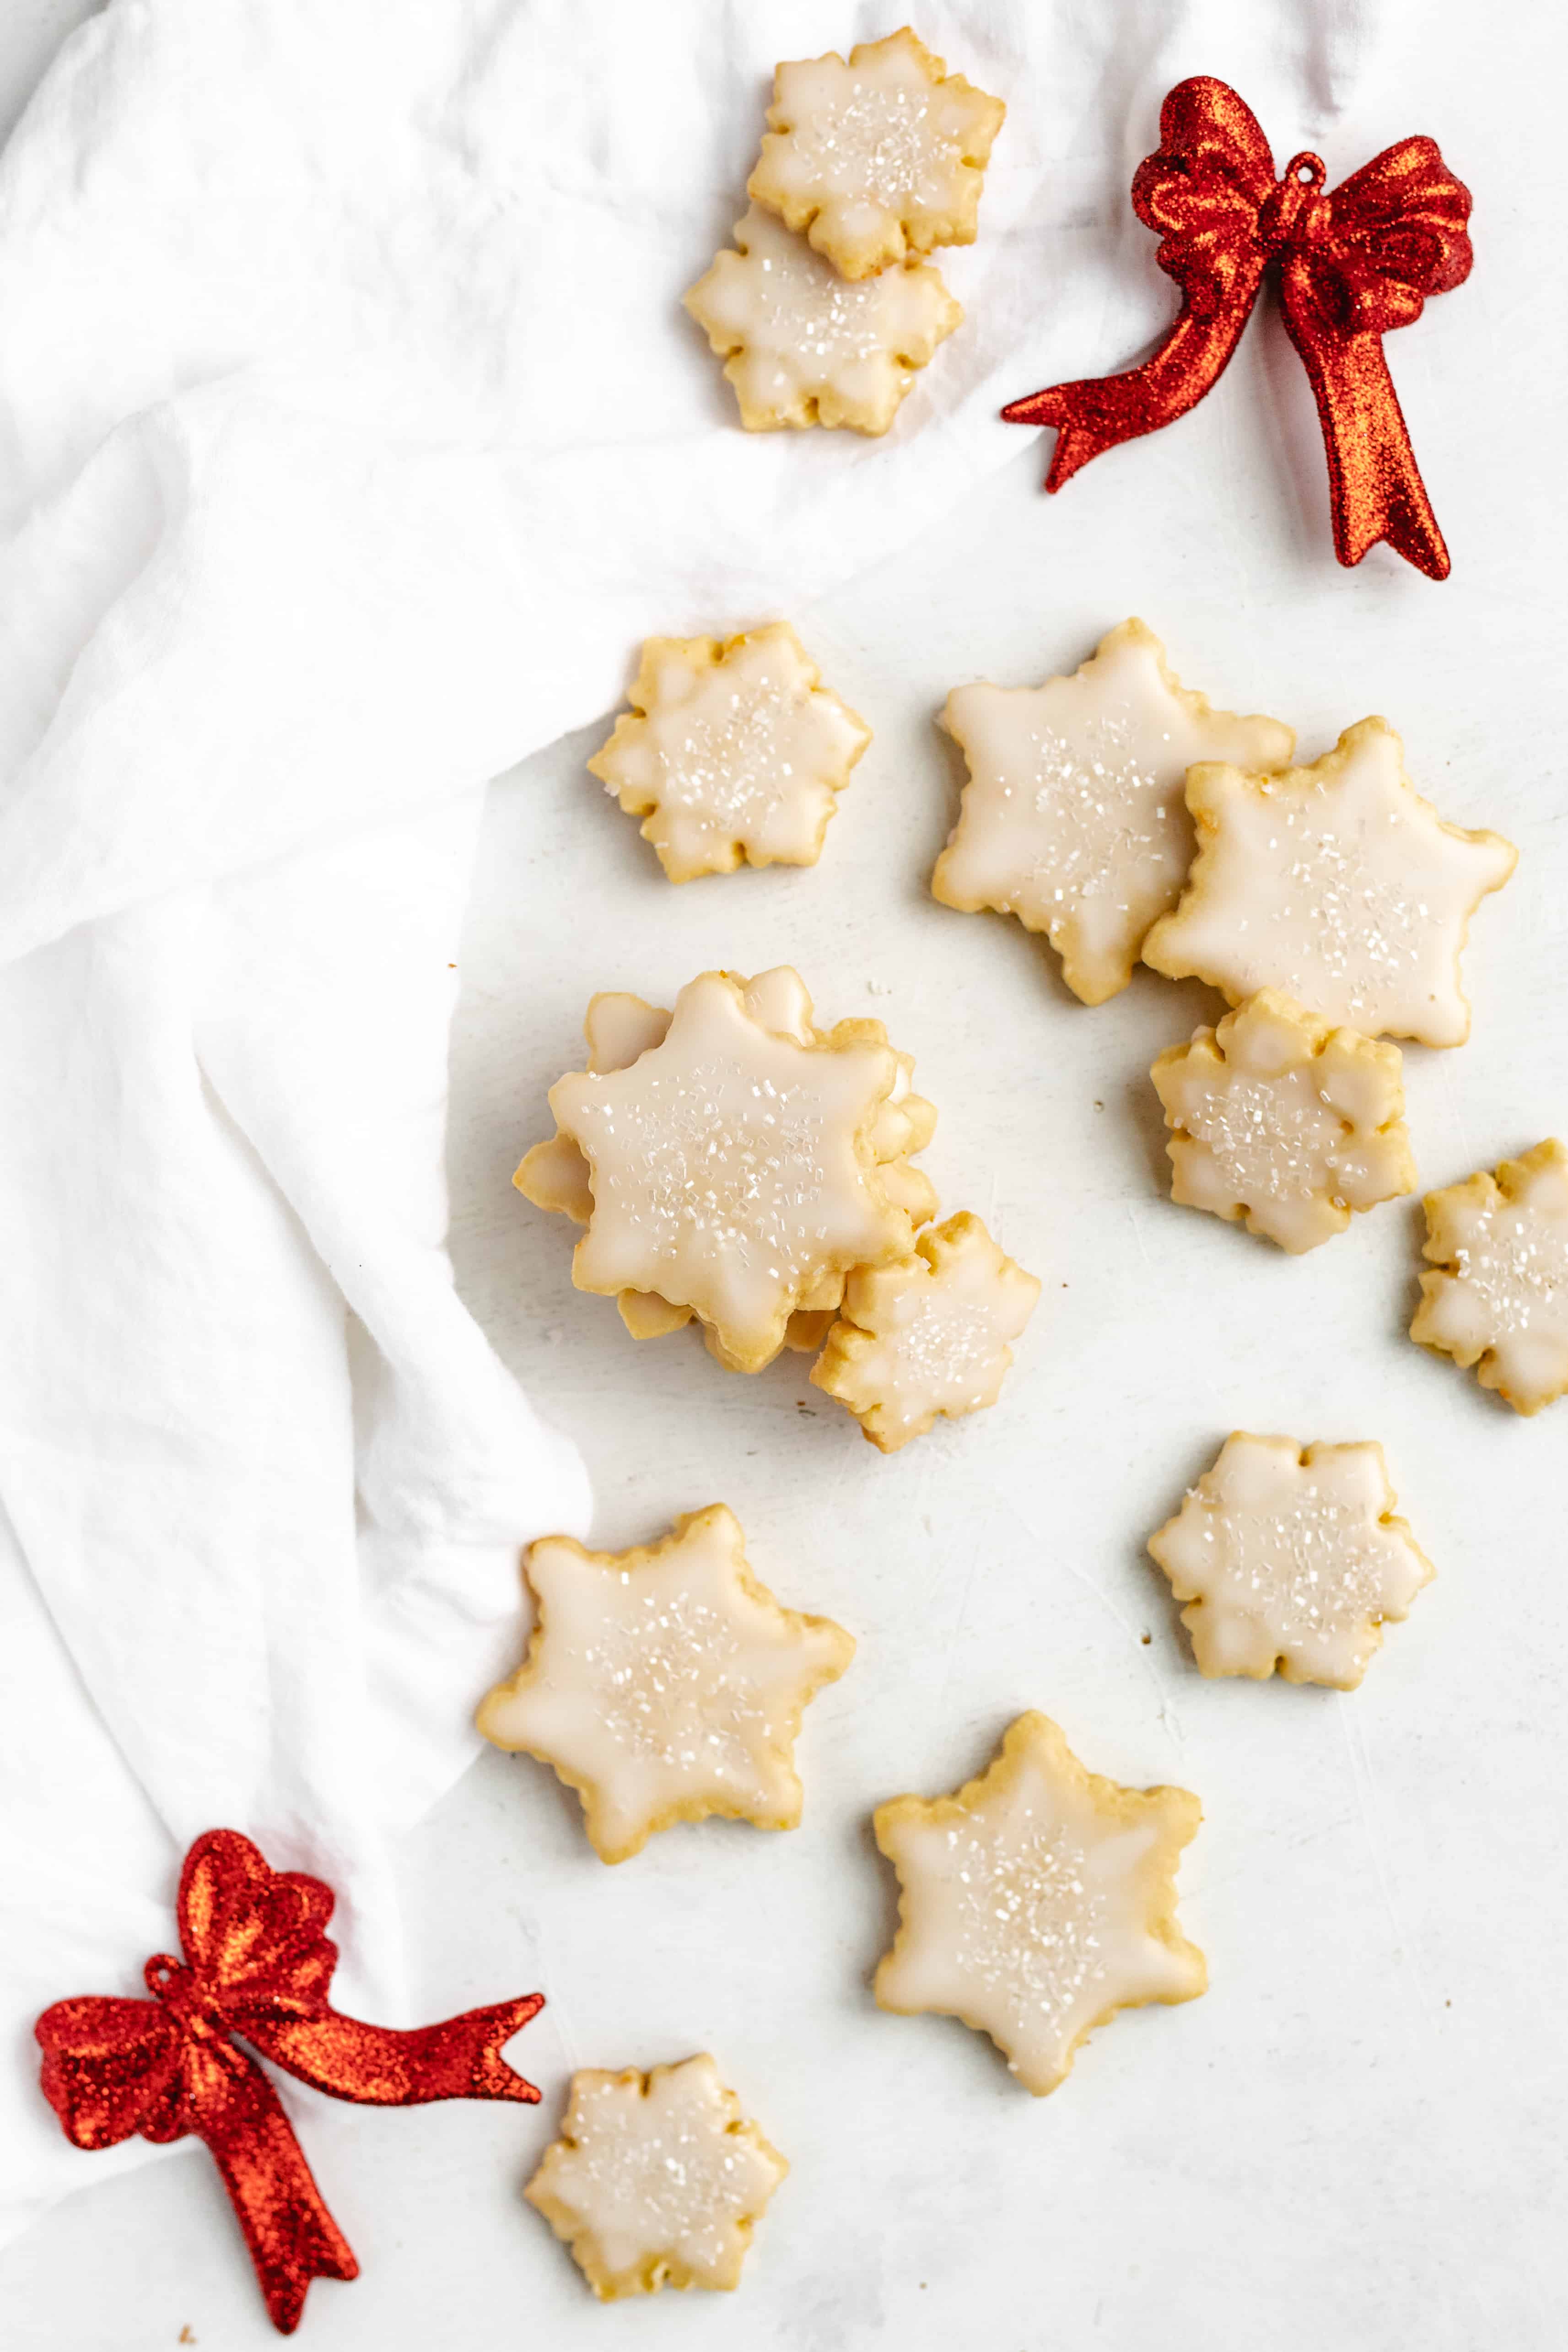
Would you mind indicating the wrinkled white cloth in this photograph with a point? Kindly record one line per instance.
(350, 437)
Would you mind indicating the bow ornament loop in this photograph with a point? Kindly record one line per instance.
(1354, 263)
(257, 1965)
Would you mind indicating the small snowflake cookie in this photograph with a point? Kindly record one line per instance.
(732, 752)
(1337, 883)
(656, 2180)
(1283, 1122)
(1290, 1558)
(732, 1161)
(1037, 1902)
(878, 158)
(1497, 1296)
(1072, 818)
(801, 346)
(928, 1335)
(664, 1684)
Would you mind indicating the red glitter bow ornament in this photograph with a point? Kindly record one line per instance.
(1354, 263)
(258, 1964)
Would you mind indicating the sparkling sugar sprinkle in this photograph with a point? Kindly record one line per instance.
(1269, 1144)
(1290, 1558)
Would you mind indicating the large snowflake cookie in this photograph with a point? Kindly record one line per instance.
(656, 2180)
(1072, 818)
(1497, 1296)
(732, 1161)
(1278, 1120)
(928, 1335)
(878, 158)
(1038, 1901)
(1290, 1558)
(801, 346)
(1337, 883)
(732, 751)
(664, 1684)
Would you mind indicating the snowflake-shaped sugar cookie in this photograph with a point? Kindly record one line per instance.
(655, 2180)
(738, 1165)
(878, 158)
(733, 752)
(801, 346)
(928, 1335)
(1037, 1902)
(1497, 1296)
(1281, 1121)
(664, 1684)
(1072, 818)
(1290, 1558)
(1336, 883)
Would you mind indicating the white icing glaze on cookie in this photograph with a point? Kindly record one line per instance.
(734, 751)
(655, 2179)
(1290, 1559)
(928, 1335)
(1037, 1902)
(731, 1167)
(1285, 1122)
(801, 346)
(1336, 883)
(1498, 1295)
(1073, 817)
(878, 157)
(664, 1683)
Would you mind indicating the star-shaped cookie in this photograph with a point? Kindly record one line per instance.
(733, 752)
(740, 1165)
(655, 2180)
(928, 1335)
(1037, 1902)
(1290, 1558)
(1497, 1294)
(1284, 1122)
(878, 158)
(803, 347)
(1072, 818)
(664, 1684)
(1336, 883)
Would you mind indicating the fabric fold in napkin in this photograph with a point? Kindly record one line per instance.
(352, 436)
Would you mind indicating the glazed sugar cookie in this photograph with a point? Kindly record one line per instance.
(1498, 1295)
(1037, 1902)
(738, 1165)
(878, 158)
(733, 752)
(664, 1684)
(655, 2179)
(928, 1335)
(1337, 883)
(1291, 1557)
(1283, 1122)
(801, 346)
(1072, 818)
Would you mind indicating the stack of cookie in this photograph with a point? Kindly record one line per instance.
(735, 1165)
(823, 311)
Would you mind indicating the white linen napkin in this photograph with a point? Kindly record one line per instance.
(350, 437)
